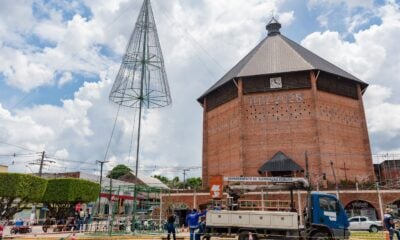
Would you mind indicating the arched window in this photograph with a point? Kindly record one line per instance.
(361, 208)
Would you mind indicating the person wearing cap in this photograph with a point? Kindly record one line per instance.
(192, 221)
(389, 224)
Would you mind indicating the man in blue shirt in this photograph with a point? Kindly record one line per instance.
(389, 224)
(192, 220)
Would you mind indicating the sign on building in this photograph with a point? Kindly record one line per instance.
(216, 187)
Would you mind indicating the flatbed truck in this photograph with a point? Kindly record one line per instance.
(323, 218)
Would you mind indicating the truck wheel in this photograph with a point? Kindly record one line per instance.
(373, 229)
(320, 236)
(246, 236)
(12, 231)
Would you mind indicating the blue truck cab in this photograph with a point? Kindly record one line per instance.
(328, 218)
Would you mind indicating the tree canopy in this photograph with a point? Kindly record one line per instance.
(62, 193)
(192, 183)
(118, 171)
(70, 190)
(18, 190)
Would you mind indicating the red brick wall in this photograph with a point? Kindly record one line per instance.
(242, 134)
(222, 139)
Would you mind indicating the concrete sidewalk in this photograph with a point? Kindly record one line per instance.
(37, 233)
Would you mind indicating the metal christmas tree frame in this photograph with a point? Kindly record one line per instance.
(141, 81)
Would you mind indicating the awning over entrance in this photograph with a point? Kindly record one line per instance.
(280, 163)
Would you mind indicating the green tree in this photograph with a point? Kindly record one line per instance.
(118, 171)
(163, 179)
(175, 183)
(193, 183)
(63, 193)
(17, 191)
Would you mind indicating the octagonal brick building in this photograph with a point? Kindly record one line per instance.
(275, 104)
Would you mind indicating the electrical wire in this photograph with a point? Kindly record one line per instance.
(112, 133)
(18, 146)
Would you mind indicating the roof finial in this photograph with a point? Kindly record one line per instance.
(273, 27)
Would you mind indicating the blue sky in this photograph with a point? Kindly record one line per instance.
(58, 60)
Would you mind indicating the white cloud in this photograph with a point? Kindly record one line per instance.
(374, 57)
(65, 78)
(23, 129)
(23, 73)
(383, 116)
(349, 56)
(349, 3)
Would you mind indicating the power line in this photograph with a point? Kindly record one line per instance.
(69, 160)
(18, 146)
(14, 155)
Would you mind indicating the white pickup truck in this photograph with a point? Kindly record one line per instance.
(364, 223)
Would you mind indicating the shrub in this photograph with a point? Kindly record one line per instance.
(17, 190)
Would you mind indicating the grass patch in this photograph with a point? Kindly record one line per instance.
(367, 235)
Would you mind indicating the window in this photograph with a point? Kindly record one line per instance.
(353, 220)
(327, 204)
(363, 219)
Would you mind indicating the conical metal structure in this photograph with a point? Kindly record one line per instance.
(141, 79)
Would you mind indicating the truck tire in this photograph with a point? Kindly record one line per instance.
(373, 229)
(320, 236)
(245, 235)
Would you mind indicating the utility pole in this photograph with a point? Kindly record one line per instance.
(41, 164)
(184, 177)
(101, 179)
(380, 199)
(334, 178)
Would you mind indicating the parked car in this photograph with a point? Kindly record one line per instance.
(364, 223)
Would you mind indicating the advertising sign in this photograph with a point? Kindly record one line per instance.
(216, 186)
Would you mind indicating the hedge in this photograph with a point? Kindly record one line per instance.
(22, 186)
(70, 190)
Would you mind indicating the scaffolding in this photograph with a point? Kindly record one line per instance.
(119, 215)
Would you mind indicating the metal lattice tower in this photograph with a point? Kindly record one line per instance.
(141, 79)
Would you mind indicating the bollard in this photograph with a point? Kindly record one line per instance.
(250, 236)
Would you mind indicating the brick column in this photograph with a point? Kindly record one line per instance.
(368, 157)
(205, 144)
(314, 90)
(241, 124)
